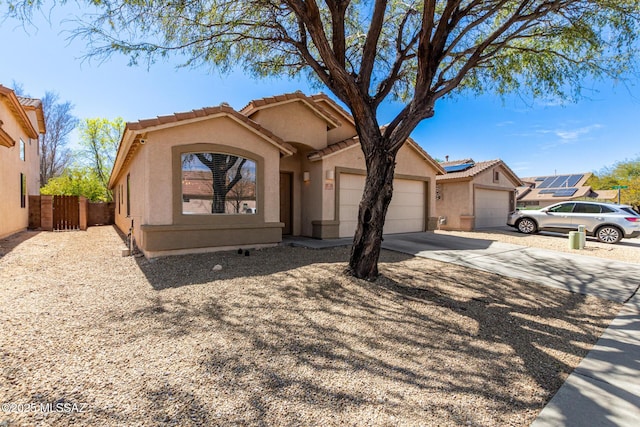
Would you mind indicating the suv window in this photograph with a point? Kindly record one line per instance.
(629, 210)
(565, 207)
(607, 209)
(586, 208)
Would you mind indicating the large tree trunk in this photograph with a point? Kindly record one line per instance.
(372, 212)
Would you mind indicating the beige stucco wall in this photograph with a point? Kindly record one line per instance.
(294, 122)
(344, 131)
(486, 178)
(138, 187)
(154, 172)
(13, 218)
(456, 201)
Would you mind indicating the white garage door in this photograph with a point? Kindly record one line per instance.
(492, 208)
(406, 212)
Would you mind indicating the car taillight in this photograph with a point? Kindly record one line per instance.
(633, 218)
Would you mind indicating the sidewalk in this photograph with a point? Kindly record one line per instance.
(604, 390)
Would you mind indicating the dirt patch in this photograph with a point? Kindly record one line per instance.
(281, 337)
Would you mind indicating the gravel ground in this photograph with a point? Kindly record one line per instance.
(279, 338)
(627, 250)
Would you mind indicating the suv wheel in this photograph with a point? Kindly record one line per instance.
(608, 234)
(527, 226)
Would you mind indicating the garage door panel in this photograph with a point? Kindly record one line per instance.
(406, 212)
(492, 208)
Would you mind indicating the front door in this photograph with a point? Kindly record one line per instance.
(285, 201)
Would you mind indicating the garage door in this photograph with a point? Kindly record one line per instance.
(406, 212)
(492, 208)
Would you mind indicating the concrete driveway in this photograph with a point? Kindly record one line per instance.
(612, 280)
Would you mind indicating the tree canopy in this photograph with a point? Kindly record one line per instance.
(623, 173)
(77, 181)
(99, 139)
(367, 51)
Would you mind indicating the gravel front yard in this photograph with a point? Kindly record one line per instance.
(277, 338)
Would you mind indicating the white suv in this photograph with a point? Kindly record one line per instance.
(607, 222)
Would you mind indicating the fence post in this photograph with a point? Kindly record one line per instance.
(34, 212)
(46, 213)
(83, 212)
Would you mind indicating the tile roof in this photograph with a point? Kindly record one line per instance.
(18, 111)
(29, 102)
(605, 194)
(322, 97)
(333, 148)
(456, 162)
(475, 170)
(468, 173)
(258, 104)
(528, 194)
(204, 113)
(350, 142)
(538, 179)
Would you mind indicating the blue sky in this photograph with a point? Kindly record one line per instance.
(533, 138)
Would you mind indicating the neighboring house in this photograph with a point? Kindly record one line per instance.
(21, 123)
(474, 195)
(218, 178)
(541, 191)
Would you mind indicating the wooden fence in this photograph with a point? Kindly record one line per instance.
(64, 213)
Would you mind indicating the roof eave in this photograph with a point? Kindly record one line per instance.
(18, 109)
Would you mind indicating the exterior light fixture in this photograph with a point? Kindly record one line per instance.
(306, 177)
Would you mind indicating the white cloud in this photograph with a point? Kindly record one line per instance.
(568, 135)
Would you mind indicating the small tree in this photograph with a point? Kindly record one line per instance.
(55, 157)
(99, 138)
(624, 173)
(77, 181)
(364, 52)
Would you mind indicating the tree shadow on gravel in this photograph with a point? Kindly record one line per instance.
(421, 346)
(185, 270)
(9, 243)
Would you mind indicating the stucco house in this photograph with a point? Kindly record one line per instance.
(217, 178)
(21, 123)
(473, 195)
(538, 192)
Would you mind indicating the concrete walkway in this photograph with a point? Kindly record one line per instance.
(604, 390)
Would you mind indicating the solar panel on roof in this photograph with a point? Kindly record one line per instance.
(573, 180)
(540, 178)
(559, 182)
(458, 168)
(547, 191)
(565, 192)
(548, 180)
